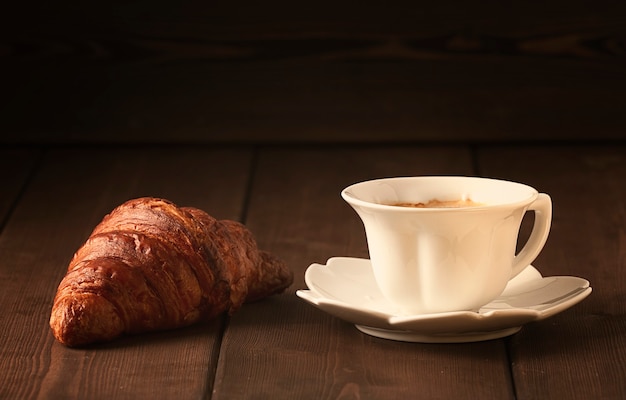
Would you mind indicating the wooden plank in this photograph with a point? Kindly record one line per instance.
(16, 165)
(70, 193)
(284, 348)
(192, 72)
(457, 98)
(578, 354)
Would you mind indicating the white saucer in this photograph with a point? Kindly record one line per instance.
(345, 288)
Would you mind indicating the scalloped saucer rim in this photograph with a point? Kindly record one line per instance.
(345, 288)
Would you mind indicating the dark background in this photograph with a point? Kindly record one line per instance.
(311, 72)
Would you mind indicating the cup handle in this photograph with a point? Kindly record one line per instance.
(542, 206)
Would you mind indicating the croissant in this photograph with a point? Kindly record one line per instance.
(150, 265)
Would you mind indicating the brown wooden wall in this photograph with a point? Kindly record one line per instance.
(317, 71)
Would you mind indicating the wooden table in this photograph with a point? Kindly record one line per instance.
(282, 347)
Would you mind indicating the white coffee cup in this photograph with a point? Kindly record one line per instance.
(430, 260)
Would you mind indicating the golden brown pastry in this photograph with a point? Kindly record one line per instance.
(151, 265)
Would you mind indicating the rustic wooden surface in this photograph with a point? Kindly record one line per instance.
(282, 347)
(198, 72)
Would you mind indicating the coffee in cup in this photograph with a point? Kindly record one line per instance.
(436, 203)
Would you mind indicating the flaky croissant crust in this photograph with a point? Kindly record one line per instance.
(151, 265)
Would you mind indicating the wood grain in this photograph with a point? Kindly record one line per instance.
(559, 358)
(286, 348)
(71, 191)
(196, 72)
(289, 196)
(16, 166)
